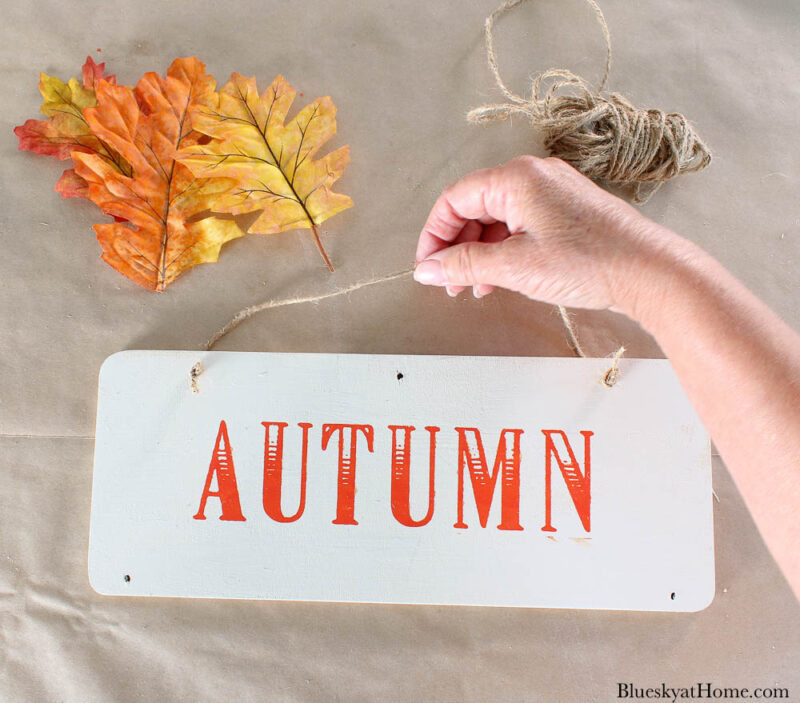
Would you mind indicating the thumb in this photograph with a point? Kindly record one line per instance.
(469, 264)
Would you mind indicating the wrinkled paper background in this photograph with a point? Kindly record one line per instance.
(402, 75)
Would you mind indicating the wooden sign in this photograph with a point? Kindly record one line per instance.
(401, 479)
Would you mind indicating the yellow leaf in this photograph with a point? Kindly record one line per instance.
(66, 131)
(271, 162)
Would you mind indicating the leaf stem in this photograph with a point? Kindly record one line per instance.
(320, 247)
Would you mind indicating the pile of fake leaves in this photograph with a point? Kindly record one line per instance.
(172, 160)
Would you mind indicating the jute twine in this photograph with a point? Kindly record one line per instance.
(605, 137)
(608, 379)
(242, 315)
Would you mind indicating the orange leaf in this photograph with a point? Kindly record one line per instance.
(162, 200)
(271, 162)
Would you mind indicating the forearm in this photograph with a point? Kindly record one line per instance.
(740, 366)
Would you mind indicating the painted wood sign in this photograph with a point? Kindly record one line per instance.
(401, 479)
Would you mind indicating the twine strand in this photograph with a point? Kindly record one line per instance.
(242, 315)
(572, 333)
(604, 137)
(609, 378)
(194, 373)
(492, 59)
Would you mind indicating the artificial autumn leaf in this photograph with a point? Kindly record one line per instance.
(162, 199)
(71, 185)
(66, 131)
(270, 162)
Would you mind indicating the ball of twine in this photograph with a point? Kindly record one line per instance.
(603, 136)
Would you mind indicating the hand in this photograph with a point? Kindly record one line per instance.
(538, 227)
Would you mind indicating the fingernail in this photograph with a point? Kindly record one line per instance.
(452, 293)
(429, 271)
(475, 292)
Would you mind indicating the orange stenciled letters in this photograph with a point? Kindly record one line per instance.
(401, 474)
(578, 484)
(348, 441)
(506, 465)
(471, 457)
(273, 470)
(222, 467)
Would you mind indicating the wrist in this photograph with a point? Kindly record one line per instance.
(664, 266)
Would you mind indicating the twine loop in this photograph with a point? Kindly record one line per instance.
(605, 137)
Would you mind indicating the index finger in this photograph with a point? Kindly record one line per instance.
(465, 200)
